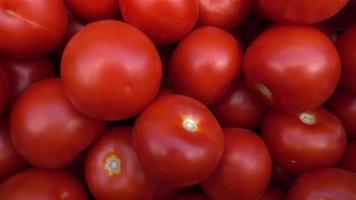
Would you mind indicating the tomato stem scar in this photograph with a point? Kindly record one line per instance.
(307, 118)
(190, 125)
(113, 165)
(264, 90)
(10, 12)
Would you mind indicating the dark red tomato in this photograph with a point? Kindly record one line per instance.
(205, 64)
(47, 130)
(226, 14)
(282, 178)
(192, 196)
(301, 11)
(245, 169)
(349, 159)
(178, 140)
(165, 22)
(40, 184)
(284, 62)
(273, 193)
(111, 70)
(328, 184)
(301, 142)
(239, 107)
(31, 28)
(93, 10)
(4, 89)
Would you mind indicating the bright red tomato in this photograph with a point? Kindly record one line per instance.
(31, 28)
(328, 184)
(300, 142)
(245, 169)
(111, 70)
(165, 22)
(273, 193)
(178, 140)
(47, 130)
(349, 159)
(4, 89)
(192, 196)
(205, 64)
(285, 61)
(39, 184)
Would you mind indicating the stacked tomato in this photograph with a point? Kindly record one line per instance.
(178, 100)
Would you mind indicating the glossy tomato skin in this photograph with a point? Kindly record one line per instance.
(151, 18)
(239, 107)
(273, 193)
(112, 170)
(301, 11)
(4, 89)
(35, 184)
(192, 196)
(300, 142)
(47, 130)
(205, 64)
(284, 62)
(349, 159)
(245, 169)
(31, 28)
(178, 140)
(329, 183)
(111, 70)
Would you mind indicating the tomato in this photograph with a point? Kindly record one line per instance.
(239, 107)
(273, 193)
(111, 70)
(329, 183)
(349, 159)
(225, 14)
(47, 130)
(284, 62)
(299, 142)
(4, 89)
(31, 28)
(192, 196)
(245, 169)
(301, 11)
(205, 64)
(36, 184)
(151, 17)
(178, 140)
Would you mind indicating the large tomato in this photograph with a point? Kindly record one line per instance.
(245, 169)
(4, 89)
(47, 130)
(111, 70)
(31, 28)
(294, 68)
(178, 140)
(349, 159)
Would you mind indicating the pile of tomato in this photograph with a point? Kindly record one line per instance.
(178, 100)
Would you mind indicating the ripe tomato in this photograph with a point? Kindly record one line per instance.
(349, 159)
(285, 61)
(112, 170)
(205, 64)
(4, 89)
(330, 183)
(192, 196)
(178, 140)
(301, 11)
(47, 130)
(111, 70)
(31, 28)
(239, 107)
(273, 193)
(300, 142)
(152, 18)
(40, 184)
(245, 169)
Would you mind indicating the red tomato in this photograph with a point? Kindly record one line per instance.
(192, 196)
(239, 107)
(39, 184)
(330, 183)
(165, 22)
(300, 142)
(301, 11)
(283, 63)
(349, 159)
(178, 140)
(205, 64)
(226, 14)
(273, 193)
(47, 130)
(245, 169)
(111, 70)
(4, 89)
(31, 28)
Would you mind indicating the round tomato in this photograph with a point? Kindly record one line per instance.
(294, 68)
(111, 70)
(273, 193)
(178, 140)
(349, 159)
(4, 89)
(31, 28)
(40, 184)
(329, 183)
(47, 130)
(245, 169)
(205, 64)
(165, 22)
(192, 196)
